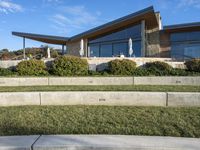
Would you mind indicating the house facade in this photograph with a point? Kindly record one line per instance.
(145, 29)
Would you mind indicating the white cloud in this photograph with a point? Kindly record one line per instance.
(189, 3)
(6, 6)
(74, 17)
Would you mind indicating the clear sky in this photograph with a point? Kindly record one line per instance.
(70, 17)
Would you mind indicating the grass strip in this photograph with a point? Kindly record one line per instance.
(151, 88)
(151, 121)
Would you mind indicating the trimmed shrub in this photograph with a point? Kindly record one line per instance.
(32, 68)
(193, 65)
(6, 72)
(158, 68)
(141, 72)
(70, 66)
(54, 54)
(121, 67)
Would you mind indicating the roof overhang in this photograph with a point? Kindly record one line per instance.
(182, 27)
(147, 14)
(43, 38)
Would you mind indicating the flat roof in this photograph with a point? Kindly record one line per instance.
(182, 27)
(43, 38)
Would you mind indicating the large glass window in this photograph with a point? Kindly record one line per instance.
(185, 45)
(106, 50)
(120, 49)
(94, 51)
(116, 43)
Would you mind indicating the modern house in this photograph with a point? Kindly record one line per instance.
(145, 29)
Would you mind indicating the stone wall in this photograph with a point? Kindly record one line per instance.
(102, 63)
(74, 47)
(165, 46)
(152, 43)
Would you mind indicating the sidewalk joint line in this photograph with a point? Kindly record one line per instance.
(35, 142)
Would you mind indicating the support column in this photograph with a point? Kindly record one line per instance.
(24, 48)
(63, 49)
(143, 39)
(86, 48)
(66, 50)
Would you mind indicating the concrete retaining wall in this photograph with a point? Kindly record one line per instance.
(24, 81)
(183, 99)
(104, 98)
(100, 98)
(91, 81)
(167, 81)
(19, 99)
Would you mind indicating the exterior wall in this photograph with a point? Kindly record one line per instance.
(164, 44)
(73, 48)
(153, 43)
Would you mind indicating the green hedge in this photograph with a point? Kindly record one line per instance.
(6, 72)
(122, 67)
(158, 68)
(193, 65)
(32, 68)
(70, 66)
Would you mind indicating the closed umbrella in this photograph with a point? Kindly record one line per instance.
(81, 52)
(48, 53)
(130, 44)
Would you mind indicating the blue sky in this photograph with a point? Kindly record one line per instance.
(70, 17)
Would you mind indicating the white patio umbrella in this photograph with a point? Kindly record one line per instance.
(81, 52)
(130, 45)
(48, 53)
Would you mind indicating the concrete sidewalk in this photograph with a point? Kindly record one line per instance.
(99, 142)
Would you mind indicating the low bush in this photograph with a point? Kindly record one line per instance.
(70, 66)
(141, 72)
(32, 68)
(193, 65)
(54, 54)
(122, 67)
(6, 72)
(158, 68)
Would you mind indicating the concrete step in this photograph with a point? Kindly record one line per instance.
(98, 142)
(17, 142)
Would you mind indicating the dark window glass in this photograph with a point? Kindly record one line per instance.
(131, 32)
(185, 36)
(120, 49)
(185, 51)
(94, 51)
(185, 45)
(116, 43)
(136, 49)
(106, 50)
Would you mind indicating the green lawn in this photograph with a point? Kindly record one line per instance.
(28, 120)
(159, 88)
